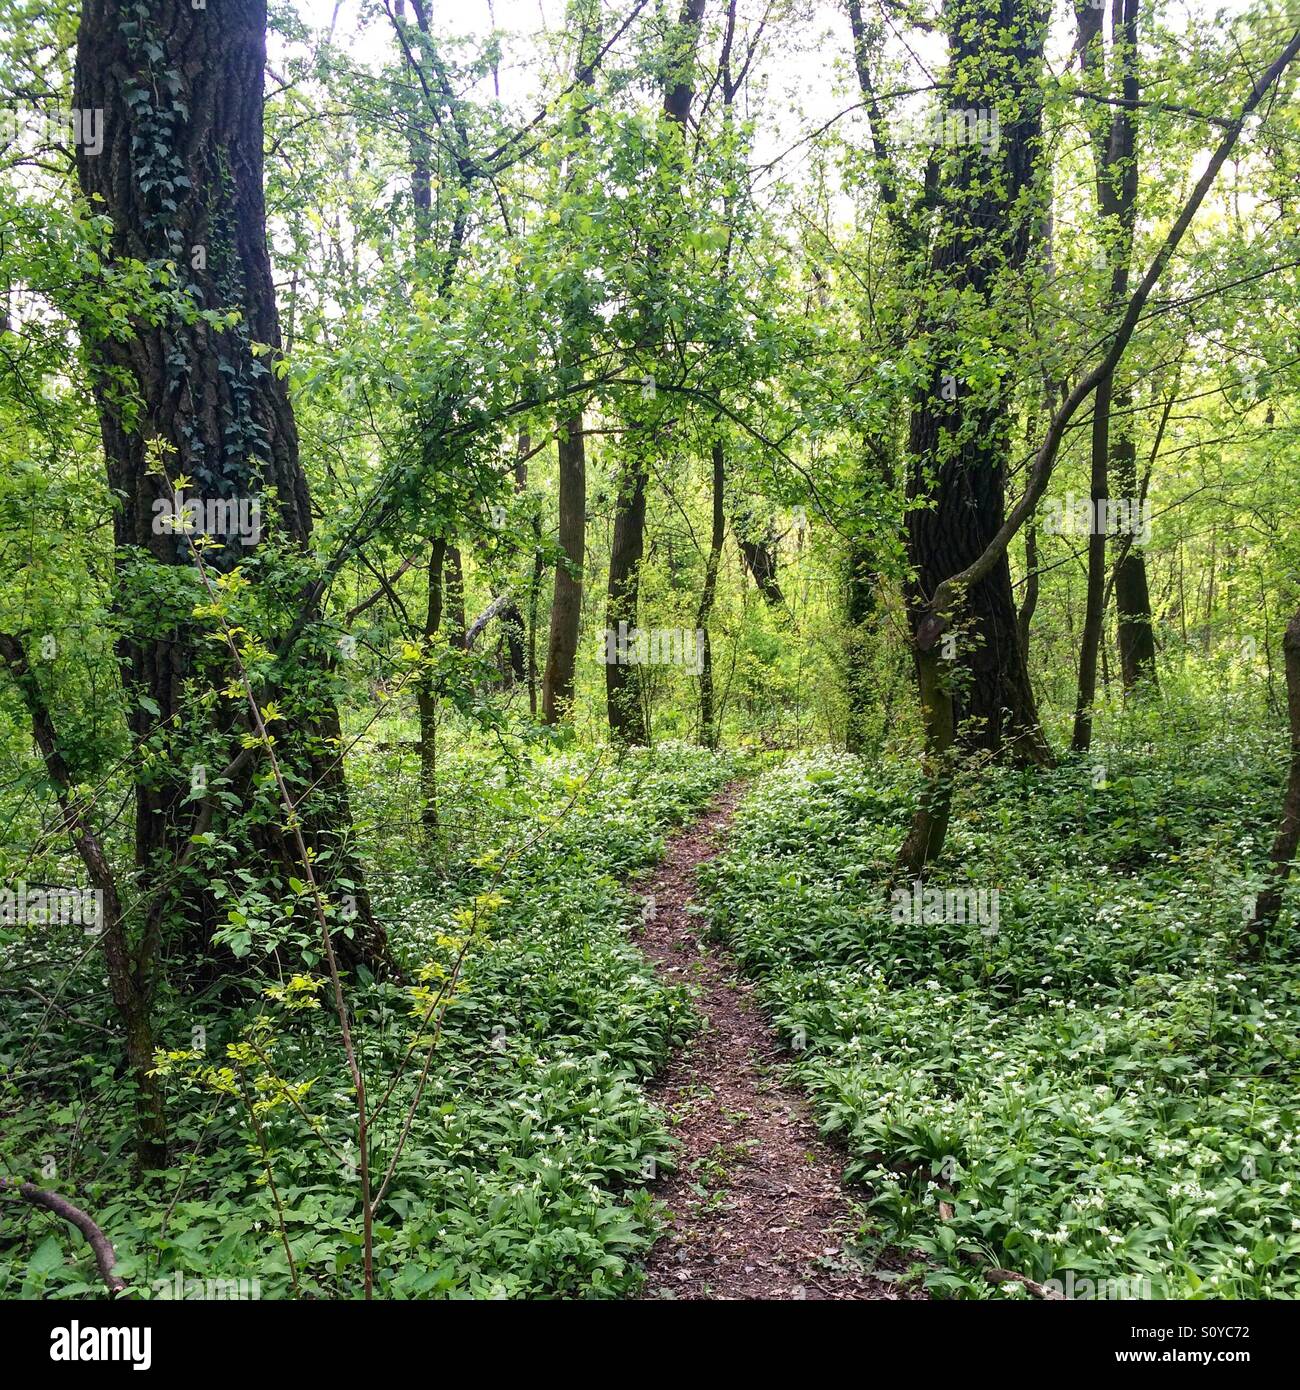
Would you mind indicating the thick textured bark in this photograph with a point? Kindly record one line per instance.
(717, 535)
(958, 441)
(1269, 902)
(180, 176)
(974, 688)
(566, 605)
(940, 612)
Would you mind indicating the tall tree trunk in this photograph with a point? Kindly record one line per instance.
(566, 601)
(1115, 166)
(935, 618)
(566, 605)
(528, 622)
(132, 967)
(861, 606)
(718, 518)
(1094, 606)
(624, 708)
(974, 686)
(717, 535)
(1268, 904)
(1137, 641)
(1032, 585)
(426, 694)
(623, 691)
(180, 177)
(958, 441)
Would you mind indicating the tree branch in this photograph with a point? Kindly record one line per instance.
(941, 606)
(105, 1256)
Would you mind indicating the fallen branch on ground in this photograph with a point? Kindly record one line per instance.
(105, 1256)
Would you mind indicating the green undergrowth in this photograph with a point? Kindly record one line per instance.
(526, 1167)
(1097, 1083)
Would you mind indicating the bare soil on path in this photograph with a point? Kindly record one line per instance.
(757, 1206)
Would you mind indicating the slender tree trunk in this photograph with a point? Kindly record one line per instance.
(528, 622)
(1032, 585)
(570, 574)
(1116, 179)
(426, 694)
(717, 535)
(132, 969)
(534, 600)
(1269, 902)
(623, 690)
(861, 606)
(709, 731)
(1094, 607)
(566, 605)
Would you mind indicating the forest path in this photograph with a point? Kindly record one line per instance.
(756, 1205)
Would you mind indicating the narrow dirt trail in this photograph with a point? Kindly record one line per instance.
(757, 1208)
